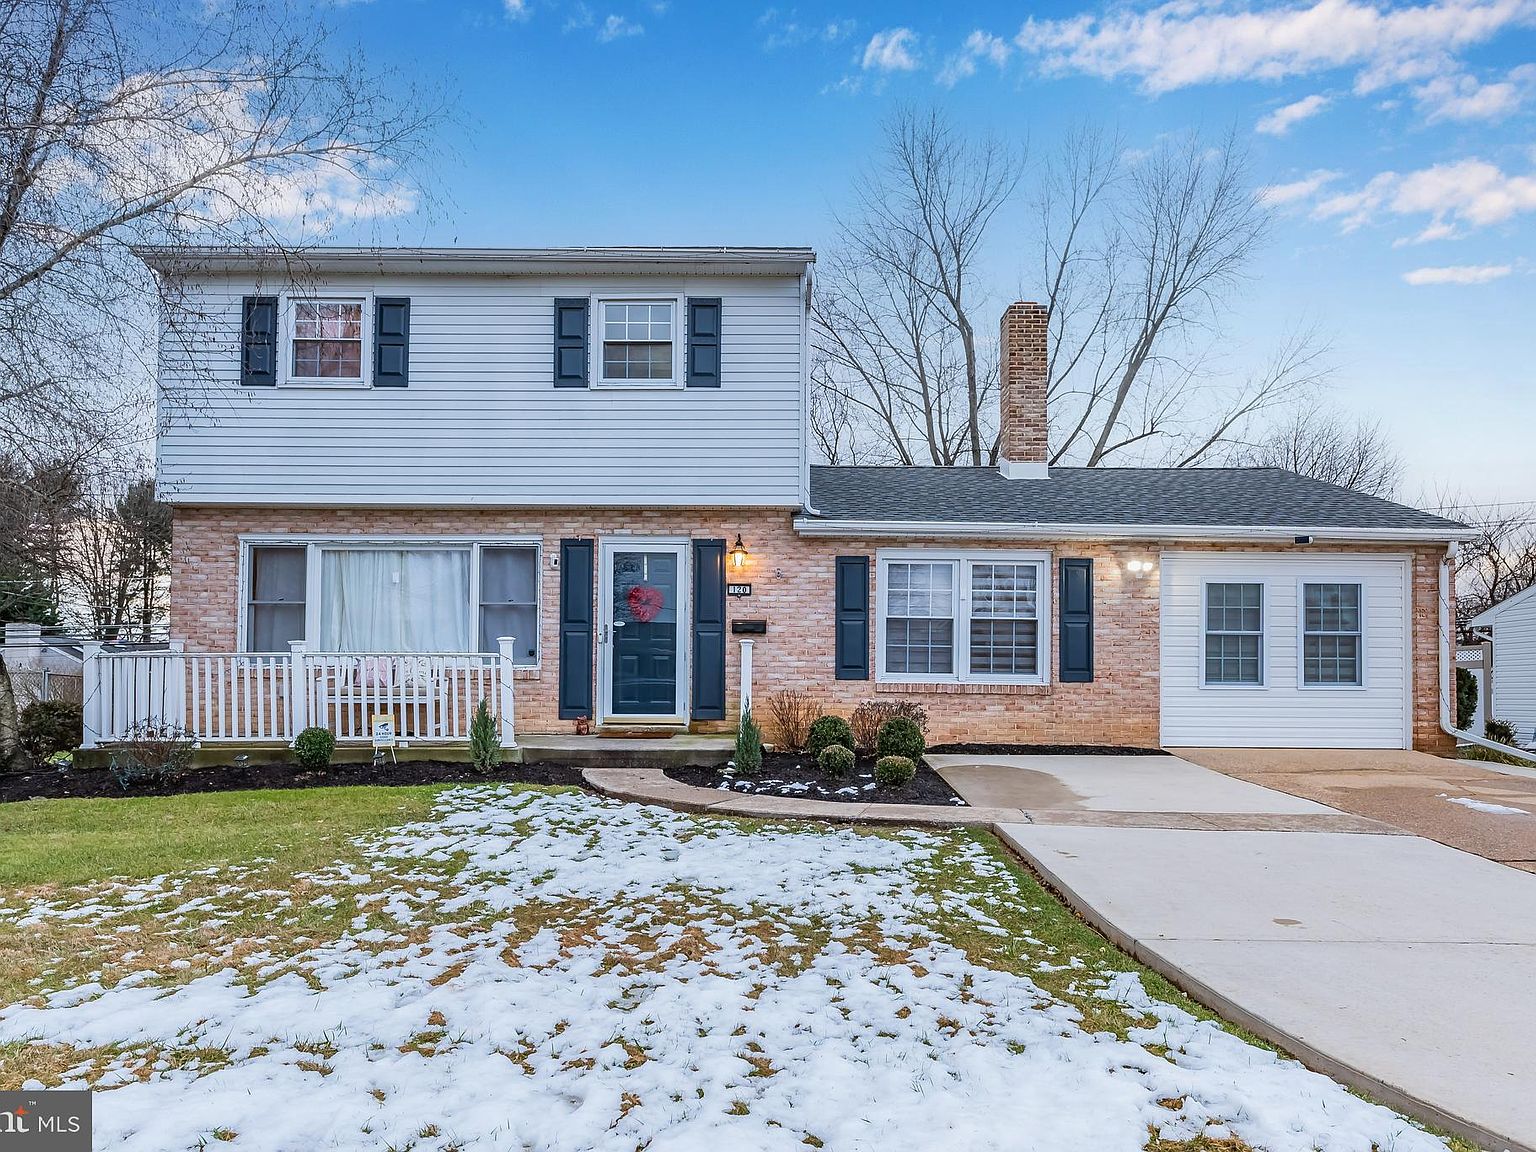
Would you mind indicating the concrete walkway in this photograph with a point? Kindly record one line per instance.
(1394, 964)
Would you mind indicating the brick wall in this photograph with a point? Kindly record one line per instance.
(792, 582)
(1022, 375)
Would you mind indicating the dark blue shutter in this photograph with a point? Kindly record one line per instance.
(571, 342)
(709, 630)
(576, 573)
(1076, 607)
(258, 341)
(852, 618)
(391, 341)
(704, 342)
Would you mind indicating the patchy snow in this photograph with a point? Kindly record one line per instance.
(1484, 806)
(556, 971)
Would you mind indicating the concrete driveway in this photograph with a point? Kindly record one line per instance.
(1462, 803)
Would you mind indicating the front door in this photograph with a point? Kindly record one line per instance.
(644, 606)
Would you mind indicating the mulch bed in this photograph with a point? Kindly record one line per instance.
(1043, 750)
(48, 783)
(796, 776)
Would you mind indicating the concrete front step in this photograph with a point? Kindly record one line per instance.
(684, 750)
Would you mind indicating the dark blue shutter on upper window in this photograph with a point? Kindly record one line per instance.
(391, 341)
(1076, 606)
(851, 618)
(704, 342)
(708, 630)
(571, 342)
(577, 570)
(258, 341)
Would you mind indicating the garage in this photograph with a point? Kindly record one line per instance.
(1275, 650)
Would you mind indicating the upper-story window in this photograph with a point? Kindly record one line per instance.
(326, 337)
(638, 342)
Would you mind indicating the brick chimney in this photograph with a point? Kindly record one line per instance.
(1022, 375)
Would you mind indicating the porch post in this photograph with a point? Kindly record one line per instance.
(508, 728)
(297, 690)
(746, 677)
(173, 687)
(90, 693)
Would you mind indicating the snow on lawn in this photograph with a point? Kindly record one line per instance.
(555, 971)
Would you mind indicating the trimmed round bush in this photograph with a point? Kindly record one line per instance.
(826, 731)
(313, 747)
(48, 727)
(835, 760)
(900, 736)
(893, 771)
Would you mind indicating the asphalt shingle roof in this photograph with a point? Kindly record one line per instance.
(1154, 497)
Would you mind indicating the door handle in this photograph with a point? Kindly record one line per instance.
(618, 623)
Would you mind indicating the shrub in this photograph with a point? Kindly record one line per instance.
(1466, 698)
(313, 747)
(1501, 731)
(835, 760)
(900, 736)
(868, 717)
(47, 727)
(792, 713)
(484, 740)
(828, 730)
(749, 746)
(153, 753)
(893, 771)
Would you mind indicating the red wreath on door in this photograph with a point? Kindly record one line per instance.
(645, 602)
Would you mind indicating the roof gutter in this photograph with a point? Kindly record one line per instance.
(1014, 530)
(1448, 661)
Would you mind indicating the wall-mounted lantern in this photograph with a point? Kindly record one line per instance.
(738, 554)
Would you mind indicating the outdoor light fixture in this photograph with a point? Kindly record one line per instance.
(1138, 567)
(738, 553)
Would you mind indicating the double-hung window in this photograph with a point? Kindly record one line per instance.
(326, 338)
(388, 597)
(637, 343)
(1234, 633)
(962, 617)
(1331, 645)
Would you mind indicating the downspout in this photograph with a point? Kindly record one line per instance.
(1448, 664)
(807, 286)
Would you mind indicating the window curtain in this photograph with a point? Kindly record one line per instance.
(387, 600)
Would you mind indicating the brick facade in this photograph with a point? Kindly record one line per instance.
(792, 588)
(1023, 381)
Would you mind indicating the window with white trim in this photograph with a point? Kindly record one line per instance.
(386, 597)
(326, 337)
(1332, 637)
(637, 343)
(962, 618)
(1234, 633)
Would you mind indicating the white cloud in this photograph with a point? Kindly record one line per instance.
(1303, 189)
(1283, 119)
(978, 46)
(891, 50)
(1472, 193)
(1457, 274)
(1464, 97)
(580, 17)
(785, 29)
(516, 9)
(618, 28)
(1185, 42)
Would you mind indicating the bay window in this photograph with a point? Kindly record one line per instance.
(387, 597)
(962, 617)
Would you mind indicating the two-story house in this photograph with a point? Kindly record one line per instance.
(396, 458)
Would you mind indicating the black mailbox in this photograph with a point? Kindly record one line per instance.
(749, 627)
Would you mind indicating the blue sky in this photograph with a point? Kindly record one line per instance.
(1396, 141)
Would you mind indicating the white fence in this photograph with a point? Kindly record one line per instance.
(255, 697)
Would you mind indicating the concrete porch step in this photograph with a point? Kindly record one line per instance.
(680, 751)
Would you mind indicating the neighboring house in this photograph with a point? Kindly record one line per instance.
(603, 453)
(1512, 625)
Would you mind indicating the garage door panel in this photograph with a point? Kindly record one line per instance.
(1282, 712)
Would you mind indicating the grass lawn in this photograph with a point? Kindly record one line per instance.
(508, 967)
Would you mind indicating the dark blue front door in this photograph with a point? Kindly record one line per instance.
(645, 640)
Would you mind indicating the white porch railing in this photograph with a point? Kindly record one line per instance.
(271, 697)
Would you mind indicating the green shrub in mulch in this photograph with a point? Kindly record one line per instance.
(894, 771)
(900, 736)
(835, 761)
(313, 749)
(827, 731)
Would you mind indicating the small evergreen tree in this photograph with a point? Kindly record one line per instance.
(484, 740)
(749, 746)
(1466, 698)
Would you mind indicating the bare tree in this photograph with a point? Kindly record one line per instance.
(898, 301)
(128, 121)
(1500, 561)
(1320, 442)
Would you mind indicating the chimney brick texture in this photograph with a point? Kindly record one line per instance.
(1025, 429)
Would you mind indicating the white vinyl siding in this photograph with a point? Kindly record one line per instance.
(481, 422)
(1284, 710)
(1514, 668)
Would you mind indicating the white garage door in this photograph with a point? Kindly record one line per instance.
(1285, 651)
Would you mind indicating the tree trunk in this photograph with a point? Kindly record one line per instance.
(10, 743)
